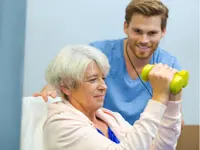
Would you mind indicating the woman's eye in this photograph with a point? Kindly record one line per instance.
(92, 80)
(95, 79)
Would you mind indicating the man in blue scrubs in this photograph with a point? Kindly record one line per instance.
(145, 25)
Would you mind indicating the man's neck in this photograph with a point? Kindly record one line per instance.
(139, 63)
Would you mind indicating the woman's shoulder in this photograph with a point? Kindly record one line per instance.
(64, 112)
(65, 126)
(113, 119)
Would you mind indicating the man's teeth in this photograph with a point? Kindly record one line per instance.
(142, 47)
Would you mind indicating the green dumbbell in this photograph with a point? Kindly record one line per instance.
(179, 81)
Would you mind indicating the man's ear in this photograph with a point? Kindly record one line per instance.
(125, 27)
(163, 32)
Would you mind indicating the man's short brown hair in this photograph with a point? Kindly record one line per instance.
(147, 8)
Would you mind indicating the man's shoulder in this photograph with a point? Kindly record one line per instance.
(103, 43)
(163, 56)
(107, 45)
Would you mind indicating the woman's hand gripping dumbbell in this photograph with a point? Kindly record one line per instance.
(179, 81)
(164, 80)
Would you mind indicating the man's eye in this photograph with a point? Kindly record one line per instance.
(137, 31)
(152, 33)
(104, 78)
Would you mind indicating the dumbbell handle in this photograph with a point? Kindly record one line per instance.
(179, 81)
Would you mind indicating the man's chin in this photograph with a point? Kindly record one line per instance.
(143, 57)
(144, 54)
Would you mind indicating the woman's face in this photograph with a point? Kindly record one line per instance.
(90, 93)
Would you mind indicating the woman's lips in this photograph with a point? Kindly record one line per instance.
(99, 96)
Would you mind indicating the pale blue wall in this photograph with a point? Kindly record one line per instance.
(52, 24)
(12, 31)
(182, 40)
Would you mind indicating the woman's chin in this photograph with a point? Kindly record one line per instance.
(100, 104)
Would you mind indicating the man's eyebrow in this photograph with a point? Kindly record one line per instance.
(154, 31)
(135, 28)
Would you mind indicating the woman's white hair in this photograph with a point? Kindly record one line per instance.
(70, 64)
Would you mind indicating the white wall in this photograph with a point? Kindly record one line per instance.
(53, 24)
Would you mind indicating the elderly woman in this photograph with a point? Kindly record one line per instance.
(79, 122)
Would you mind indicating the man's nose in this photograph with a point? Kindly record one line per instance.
(144, 39)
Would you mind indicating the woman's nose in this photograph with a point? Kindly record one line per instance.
(102, 85)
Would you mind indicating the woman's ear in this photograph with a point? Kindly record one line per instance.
(65, 90)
